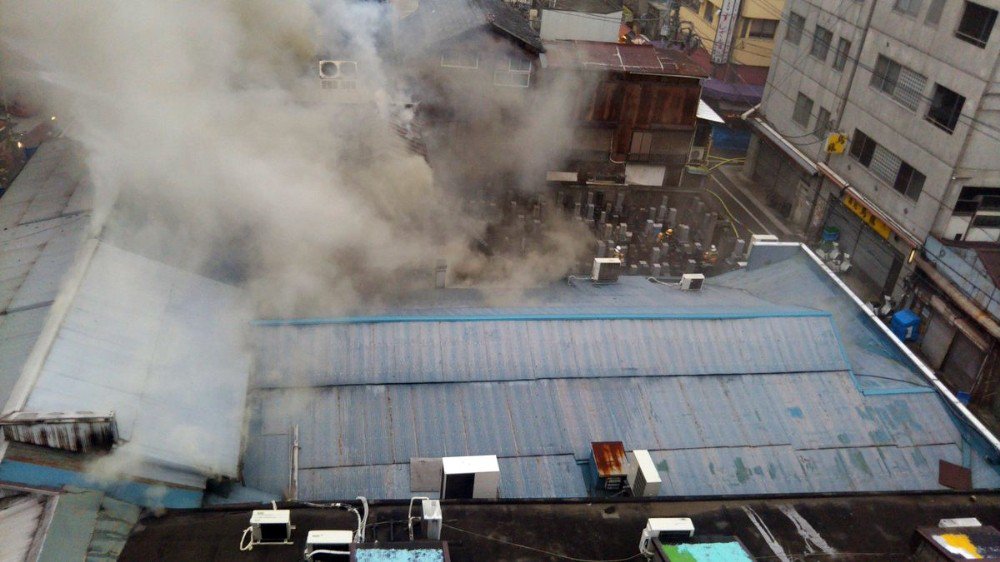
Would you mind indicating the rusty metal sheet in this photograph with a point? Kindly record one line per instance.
(954, 476)
(609, 458)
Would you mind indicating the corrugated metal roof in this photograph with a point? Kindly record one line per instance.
(483, 350)
(44, 217)
(727, 404)
(160, 348)
(21, 521)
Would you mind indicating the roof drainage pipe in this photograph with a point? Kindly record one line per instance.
(963, 302)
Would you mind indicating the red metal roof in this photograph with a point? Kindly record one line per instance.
(614, 57)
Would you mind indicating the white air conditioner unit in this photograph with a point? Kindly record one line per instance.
(692, 281)
(606, 270)
(697, 155)
(322, 546)
(959, 522)
(271, 526)
(643, 478)
(430, 513)
(338, 74)
(470, 477)
(665, 529)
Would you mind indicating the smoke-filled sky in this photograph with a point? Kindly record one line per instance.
(204, 126)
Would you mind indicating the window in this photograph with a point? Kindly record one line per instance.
(762, 29)
(709, 12)
(796, 23)
(974, 199)
(945, 109)
(986, 221)
(908, 7)
(821, 43)
(899, 82)
(515, 73)
(460, 59)
(843, 51)
(822, 123)
(641, 143)
(803, 110)
(909, 181)
(933, 16)
(862, 148)
(886, 166)
(976, 24)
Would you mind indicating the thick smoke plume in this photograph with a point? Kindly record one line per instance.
(211, 145)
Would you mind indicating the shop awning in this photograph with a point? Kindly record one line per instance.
(706, 112)
(779, 141)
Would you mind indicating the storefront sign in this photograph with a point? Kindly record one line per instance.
(876, 224)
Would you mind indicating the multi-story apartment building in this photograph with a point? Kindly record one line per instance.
(910, 92)
(915, 88)
(736, 31)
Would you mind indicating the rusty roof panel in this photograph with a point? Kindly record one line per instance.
(609, 458)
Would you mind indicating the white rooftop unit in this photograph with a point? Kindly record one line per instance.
(271, 526)
(643, 478)
(959, 522)
(692, 281)
(758, 238)
(665, 529)
(430, 512)
(606, 270)
(470, 477)
(328, 545)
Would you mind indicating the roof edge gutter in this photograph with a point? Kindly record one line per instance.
(943, 390)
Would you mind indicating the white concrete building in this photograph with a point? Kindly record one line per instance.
(581, 20)
(914, 85)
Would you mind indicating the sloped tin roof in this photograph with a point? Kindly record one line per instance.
(765, 382)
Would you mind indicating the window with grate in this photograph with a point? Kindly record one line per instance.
(946, 108)
(901, 83)
(803, 110)
(843, 51)
(976, 24)
(933, 16)
(908, 7)
(886, 166)
(821, 43)
(822, 123)
(796, 23)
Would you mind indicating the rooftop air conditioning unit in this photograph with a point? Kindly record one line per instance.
(643, 477)
(338, 74)
(665, 529)
(606, 270)
(323, 546)
(697, 156)
(692, 281)
(608, 466)
(430, 513)
(271, 526)
(470, 477)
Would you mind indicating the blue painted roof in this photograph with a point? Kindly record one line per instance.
(757, 384)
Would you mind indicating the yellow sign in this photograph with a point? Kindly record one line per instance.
(836, 143)
(876, 224)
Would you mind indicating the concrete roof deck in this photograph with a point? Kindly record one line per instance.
(855, 527)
